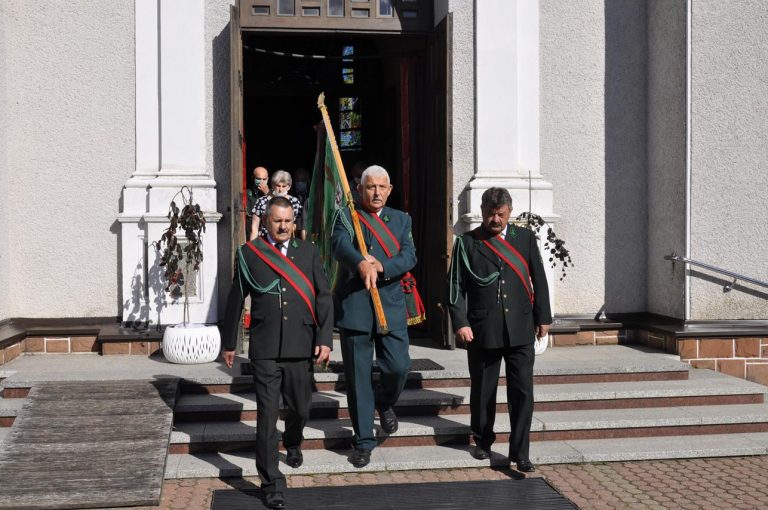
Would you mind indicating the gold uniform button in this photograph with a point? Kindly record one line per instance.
(285, 303)
(502, 281)
(506, 310)
(505, 296)
(284, 289)
(285, 318)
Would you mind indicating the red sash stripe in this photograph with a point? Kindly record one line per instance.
(290, 263)
(386, 229)
(515, 252)
(526, 284)
(285, 275)
(377, 236)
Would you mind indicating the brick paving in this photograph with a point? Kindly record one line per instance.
(734, 482)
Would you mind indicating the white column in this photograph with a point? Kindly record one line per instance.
(182, 87)
(170, 153)
(507, 106)
(507, 112)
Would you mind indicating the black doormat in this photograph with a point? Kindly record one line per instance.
(528, 493)
(337, 367)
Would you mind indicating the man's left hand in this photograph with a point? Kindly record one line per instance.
(542, 330)
(322, 354)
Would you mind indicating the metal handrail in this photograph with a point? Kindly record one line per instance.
(736, 276)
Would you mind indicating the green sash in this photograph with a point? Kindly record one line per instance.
(414, 306)
(514, 260)
(287, 270)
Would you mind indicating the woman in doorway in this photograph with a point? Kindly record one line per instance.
(280, 185)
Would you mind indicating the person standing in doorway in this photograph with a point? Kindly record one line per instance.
(354, 310)
(499, 304)
(280, 184)
(291, 322)
(258, 188)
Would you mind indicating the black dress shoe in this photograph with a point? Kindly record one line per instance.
(274, 500)
(525, 466)
(360, 457)
(294, 457)
(480, 453)
(388, 420)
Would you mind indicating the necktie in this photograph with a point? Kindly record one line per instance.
(279, 247)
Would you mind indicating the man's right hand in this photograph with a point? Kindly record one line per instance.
(465, 334)
(229, 357)
(264, 187)
(368, 273)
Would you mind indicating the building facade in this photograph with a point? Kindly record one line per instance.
(637, 128)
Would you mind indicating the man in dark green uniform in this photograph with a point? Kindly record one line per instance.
(291, 322)
(499, 304)
(391, 254)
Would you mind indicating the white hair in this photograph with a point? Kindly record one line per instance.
(374, 171)
(281, 176)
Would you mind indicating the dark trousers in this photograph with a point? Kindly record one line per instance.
(484, 365)
(291, 378)
(357, 350)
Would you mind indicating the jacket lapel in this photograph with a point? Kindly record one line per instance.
(485, 251)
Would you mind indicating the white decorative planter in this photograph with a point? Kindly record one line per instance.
(191, 343)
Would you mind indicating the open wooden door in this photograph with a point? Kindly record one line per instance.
(237, 142)
(441, 206)
(237, 145)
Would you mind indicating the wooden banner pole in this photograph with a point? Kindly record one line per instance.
(381, 318)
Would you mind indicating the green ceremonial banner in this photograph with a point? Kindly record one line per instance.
(325, 199)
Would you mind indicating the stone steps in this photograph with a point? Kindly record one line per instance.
(702, 387)
(454, 429)
(215, 464)
(218, 429)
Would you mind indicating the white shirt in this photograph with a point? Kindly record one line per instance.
(284, 249)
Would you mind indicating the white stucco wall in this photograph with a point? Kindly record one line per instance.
(730, 155)
(593, 65)
(666, 156)
(67, 135)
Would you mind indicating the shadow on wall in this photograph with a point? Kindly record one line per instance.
(137, 305)
(116, 229)
(728, 285)
(222, 158)
(626, 228)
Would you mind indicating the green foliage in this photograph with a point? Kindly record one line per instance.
(553, 246)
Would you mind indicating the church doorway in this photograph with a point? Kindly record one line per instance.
(387, 97)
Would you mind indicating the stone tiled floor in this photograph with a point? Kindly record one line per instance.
(736, 482)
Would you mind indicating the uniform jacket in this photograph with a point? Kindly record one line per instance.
(352, 301)
(281, 326)
(504, 303)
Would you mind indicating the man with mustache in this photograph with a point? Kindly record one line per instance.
(391, 254)
(291, 321)
(499, 304)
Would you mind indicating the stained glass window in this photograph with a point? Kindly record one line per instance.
(348, 75)
(347, 103)
(350, 123)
